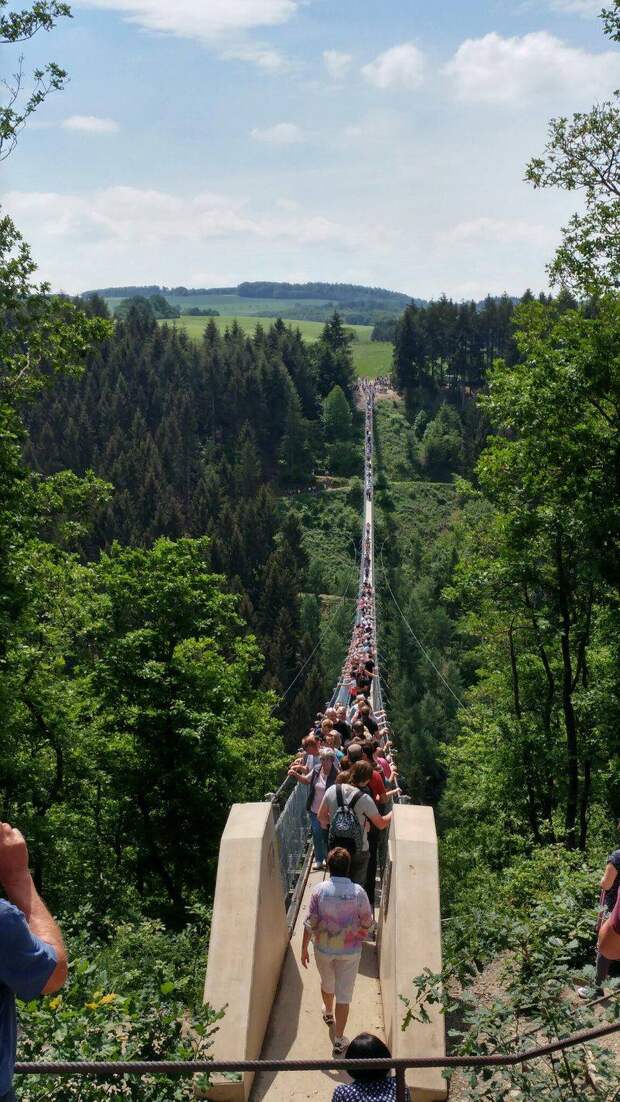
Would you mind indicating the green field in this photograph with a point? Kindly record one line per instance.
(371, 358)
(230, 305)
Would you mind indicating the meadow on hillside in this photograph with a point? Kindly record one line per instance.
(371, 358)
(234, 304)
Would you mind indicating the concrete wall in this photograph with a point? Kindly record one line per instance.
(249, 938)
(410, 941)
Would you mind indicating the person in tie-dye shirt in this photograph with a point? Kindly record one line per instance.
(338, 920)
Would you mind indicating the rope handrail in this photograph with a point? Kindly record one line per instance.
(191, 1067)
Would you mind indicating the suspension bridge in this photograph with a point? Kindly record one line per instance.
(271, 1043)
(264, 880)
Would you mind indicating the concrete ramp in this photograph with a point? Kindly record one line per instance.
(410, 941)
(249, 938)
(274, 1005)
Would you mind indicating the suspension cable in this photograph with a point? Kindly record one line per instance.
(418, 641)
(322, 633)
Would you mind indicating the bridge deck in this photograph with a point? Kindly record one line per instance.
(296, 1029)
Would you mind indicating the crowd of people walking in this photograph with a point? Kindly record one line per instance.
(347, 763)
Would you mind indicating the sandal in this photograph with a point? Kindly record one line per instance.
(328, 1017)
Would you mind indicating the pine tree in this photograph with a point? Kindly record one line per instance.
(296, 458)
(333, 361)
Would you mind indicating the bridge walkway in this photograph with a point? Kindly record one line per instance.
(296, 1029)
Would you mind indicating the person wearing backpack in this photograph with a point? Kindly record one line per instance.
(338, 920)
(346, 812)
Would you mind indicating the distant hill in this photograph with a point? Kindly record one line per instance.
(358, 305)
(147, 289)
(339, 292)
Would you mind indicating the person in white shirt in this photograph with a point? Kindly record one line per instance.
(365, 810)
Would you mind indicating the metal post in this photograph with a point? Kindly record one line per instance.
(401, 1086)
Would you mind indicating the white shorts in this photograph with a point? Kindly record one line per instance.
(338, 974)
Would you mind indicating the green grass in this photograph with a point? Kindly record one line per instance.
(310, 330)
(371, 358)
(230, 305)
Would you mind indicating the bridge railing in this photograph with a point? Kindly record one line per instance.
(102, 1069)
(292, 822)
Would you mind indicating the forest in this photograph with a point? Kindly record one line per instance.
(179, 525)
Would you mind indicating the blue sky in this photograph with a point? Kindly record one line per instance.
(206, 142)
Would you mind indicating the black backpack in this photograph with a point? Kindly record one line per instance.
(345, 829)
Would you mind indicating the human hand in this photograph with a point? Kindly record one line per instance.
(305, 956)
(13, 856)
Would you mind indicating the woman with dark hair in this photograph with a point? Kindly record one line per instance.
(368, 1085)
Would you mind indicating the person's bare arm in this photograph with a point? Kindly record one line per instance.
(305, 955)
(381, 821)
(20, 890)
(609, 941)
(303, 778)
(323, 814)
(609, 877)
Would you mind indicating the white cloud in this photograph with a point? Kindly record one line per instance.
(493, 230)
(221, 24)
(91, 124)
(578, 7)
(271, 61)
(337, 63)
(400, 67)
(127, 216)
(205, 20)
(282, 133)
(512, 70)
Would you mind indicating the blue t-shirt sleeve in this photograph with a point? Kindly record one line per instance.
(26, 962)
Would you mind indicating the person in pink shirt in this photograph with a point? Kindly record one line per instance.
(609, 937)
(381, 762)
(338, 920)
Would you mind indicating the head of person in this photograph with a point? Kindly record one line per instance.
(358, 729)
(327, 756)
(367, 1047)
(365, 710)
(326, 727)
(338, 861)
(330, 713)
(311, 744)
(360, 774)
(368, 749)
(355, 753)
(341, 712)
